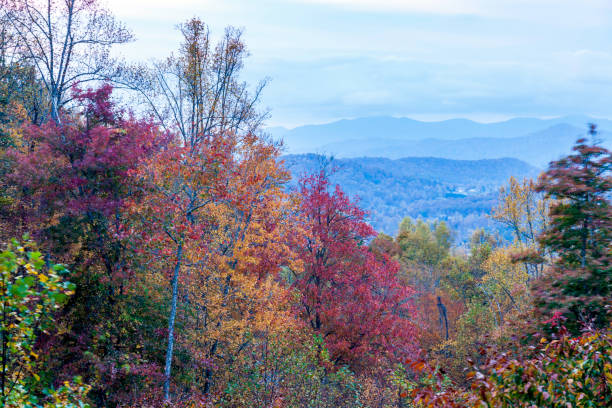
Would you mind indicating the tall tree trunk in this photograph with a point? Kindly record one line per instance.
(177, 268)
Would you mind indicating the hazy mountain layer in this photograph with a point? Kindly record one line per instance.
(535, 141)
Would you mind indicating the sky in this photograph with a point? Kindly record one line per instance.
(485, 60)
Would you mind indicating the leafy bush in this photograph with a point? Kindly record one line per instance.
(562, 373)
(565, 372)
(31, 290)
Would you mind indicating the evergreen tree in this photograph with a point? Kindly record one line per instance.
(579, 285)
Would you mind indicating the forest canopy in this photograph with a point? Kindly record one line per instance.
(155, 252)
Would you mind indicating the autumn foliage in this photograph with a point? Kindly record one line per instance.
(178, 265)
(350, 296)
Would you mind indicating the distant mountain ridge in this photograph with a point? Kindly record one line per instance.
(461, 192)
(537, 149)
(536, 141)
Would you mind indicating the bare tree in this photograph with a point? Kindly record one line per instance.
(197, 95)
(198, 92)
(20, 90)
(66, 41)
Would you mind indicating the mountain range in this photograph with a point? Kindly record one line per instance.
(536, 141)
(449, 170)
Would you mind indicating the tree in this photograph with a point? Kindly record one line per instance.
(423, 248)
(384, 244)
(22, 93)
(525, 212)
(219, 215)
(350, 297)
(505, 284)
(67, 41)
(198, 92)
(215, 208)
(482, 244)
(79, 172)
(19, 87)
(579, 285)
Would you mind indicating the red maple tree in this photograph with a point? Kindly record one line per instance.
(350, 296)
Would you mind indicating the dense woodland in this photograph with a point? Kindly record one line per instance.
(153, 254)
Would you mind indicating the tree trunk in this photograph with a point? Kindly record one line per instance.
(55, 105)
(443, 317)
(177, 268)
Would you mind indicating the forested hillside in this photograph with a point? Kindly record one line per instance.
(459, 192)
(157, 250)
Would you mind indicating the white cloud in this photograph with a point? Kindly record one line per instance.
(164, 9)
(427, 6)
(522, 9)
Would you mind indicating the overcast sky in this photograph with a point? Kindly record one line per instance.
(427, 59)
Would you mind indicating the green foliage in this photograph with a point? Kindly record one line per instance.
(31, 290)
(424, 243)
(459, 279)
(482, 244)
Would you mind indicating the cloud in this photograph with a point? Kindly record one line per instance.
(521, 9)
(352, 87)
(166, 10)
(330, 59)
(427, 6)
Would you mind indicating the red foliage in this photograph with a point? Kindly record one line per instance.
(76, 180)
(82, 165)
(351, 296)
